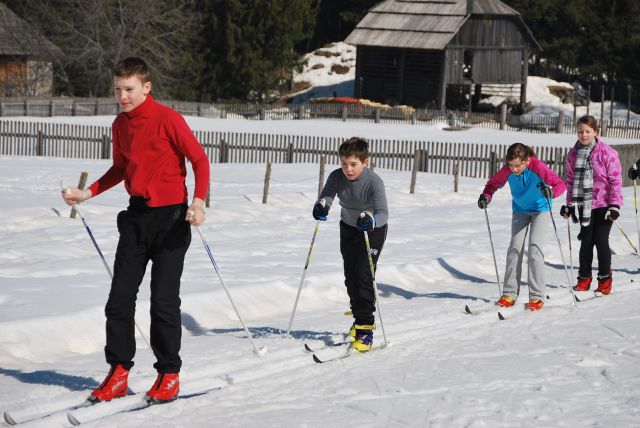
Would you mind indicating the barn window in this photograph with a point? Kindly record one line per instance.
(467, 62)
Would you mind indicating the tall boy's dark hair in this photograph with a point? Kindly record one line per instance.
(132, 66)
(590, 121)
(518, 151)
(355, 146)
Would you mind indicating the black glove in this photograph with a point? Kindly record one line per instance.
(366, 221)
(634, 171)
(483, 201)
(567, 211)
(320, 210)
(612, 213)
(546, 192)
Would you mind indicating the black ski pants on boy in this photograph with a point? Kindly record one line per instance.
(160, 235)
(357, 272)
(596, 234)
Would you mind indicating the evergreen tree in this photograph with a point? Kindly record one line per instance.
(336, 19)
(247, 47)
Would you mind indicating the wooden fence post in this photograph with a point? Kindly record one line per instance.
(345, 113)
(414, 117)
(262, 114)
(603, 128)
(414, 170)
(503, 116)
(456, 172)
(26, 106)
(40, 143)
(105, 146)
(492, 164)
(267, 177)
(301, 112)
(74, 108)
(290, 153)
(323, 160)
(372, 165)
(81, 184)
(560, 124)
(376, 116)
(222, 156)
(1, 109)
(52, 108)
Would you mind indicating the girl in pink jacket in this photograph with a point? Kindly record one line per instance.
(594, 198)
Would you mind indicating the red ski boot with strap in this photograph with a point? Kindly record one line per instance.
(605, 283)
(583, 284)
(113, 386)
(165, 388)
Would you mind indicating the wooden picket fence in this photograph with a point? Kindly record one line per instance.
(61, 106)
(472, 160)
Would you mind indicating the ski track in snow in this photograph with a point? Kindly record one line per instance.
(562, 367)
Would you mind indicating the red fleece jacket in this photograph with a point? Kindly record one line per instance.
(150, 144)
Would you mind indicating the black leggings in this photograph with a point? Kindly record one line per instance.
(357, 271)
(596, 234)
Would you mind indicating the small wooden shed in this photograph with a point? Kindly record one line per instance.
(413, 51)
(26, 58)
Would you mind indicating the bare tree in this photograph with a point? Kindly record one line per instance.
(95, 34)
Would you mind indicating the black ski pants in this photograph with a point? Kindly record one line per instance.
(596, 234)
(357, 272)
(162, 236)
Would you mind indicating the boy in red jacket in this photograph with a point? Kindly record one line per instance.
(150, 144)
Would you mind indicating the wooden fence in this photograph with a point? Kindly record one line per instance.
(473, 160)
(11, 107)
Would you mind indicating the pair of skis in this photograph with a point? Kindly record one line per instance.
(335, 351)
(89, 411)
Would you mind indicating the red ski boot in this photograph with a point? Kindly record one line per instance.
(165, 388)
(535, 305)
(506, 301)
(604, 284)
(114, 385)
(583, 284)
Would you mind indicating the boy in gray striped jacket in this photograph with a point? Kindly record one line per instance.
(363, 208)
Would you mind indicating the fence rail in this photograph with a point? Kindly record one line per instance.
(12, 107)
(473, 160)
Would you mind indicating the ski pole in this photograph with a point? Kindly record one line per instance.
(375, 286)
(493, 251)
(104, 261)
(635, 200)
(625, 235)
(570, 250)
(555, 230)
(304, 273)
(260, 352)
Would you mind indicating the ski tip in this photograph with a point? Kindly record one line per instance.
(501, 317)
(466, 309)
(307, 348)
(8, 419)
(72, 420)
(316, 359)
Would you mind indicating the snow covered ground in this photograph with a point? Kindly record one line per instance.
(562, 367)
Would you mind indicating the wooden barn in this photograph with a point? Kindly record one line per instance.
(422, 52)
(25, 58)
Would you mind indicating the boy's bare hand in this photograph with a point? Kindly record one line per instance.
(73, 195)
(195, 213)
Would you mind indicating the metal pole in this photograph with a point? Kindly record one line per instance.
(493, 251)
(304, 273)
(375, 286)
(260, 352)
(106, 266)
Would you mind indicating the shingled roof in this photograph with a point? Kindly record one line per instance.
(423, 24)
(19, 38)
